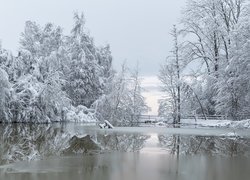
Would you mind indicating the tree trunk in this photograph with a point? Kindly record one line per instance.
(178, 119)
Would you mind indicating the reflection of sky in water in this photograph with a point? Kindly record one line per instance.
(152, 146)
(134, 166)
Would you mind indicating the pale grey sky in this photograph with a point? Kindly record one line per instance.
(137, 30)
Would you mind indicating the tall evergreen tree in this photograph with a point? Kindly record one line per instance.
(84, 86)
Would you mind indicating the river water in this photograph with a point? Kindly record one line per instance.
(142, 153)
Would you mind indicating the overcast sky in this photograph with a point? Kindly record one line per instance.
(137, 30)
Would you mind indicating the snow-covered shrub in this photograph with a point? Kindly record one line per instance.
(80, 114)
(123, 103)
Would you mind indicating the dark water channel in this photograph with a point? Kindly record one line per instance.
(144, 153)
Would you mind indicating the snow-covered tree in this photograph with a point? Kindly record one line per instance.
(195, 98)
(84, 86)
(4, 96)
(233, 95)
(137, 105)
(52, 72)
(123, 103)
(210, 24)
(214, 39)
(37, 94)
(170, 76)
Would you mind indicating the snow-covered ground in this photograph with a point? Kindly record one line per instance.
(217, 123)
(81, 114)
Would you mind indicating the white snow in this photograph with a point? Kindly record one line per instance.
(106, 124)
(207, 123)
(213, 123)
(240, 124)
(81, 114)
(109, 124)
(218, 123)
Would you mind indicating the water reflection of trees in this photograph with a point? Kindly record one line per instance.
(27, 141)
(20, 142)
(122, 142)
(228, 146)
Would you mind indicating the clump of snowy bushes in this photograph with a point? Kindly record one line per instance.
(81, 114)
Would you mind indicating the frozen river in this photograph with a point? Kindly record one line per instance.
(144, 153)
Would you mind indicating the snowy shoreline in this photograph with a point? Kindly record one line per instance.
(243, 124)
(217, 123)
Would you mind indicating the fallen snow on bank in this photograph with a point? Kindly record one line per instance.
(240, 124)
(80, 114)
(218, 123)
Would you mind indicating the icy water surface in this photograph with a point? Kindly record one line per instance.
(147, 153)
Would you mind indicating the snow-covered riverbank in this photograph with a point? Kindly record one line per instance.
(218, 123)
